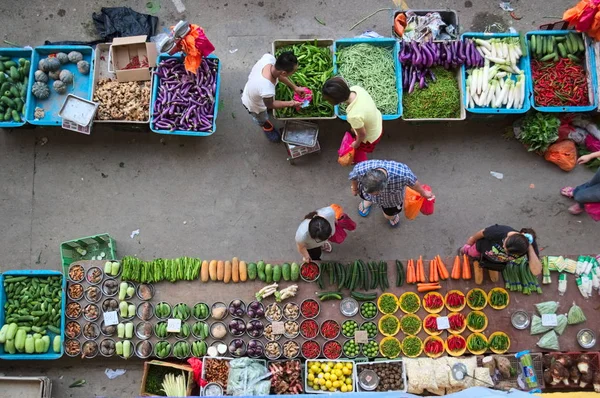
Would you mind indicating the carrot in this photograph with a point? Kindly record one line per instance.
(431, 271)
(408, 272)
(400, 24)
(413, 276)
(428, 288)
(417, 275)
(436, 276)
(456, 268)
(421, 270)
(428, 284)
(443, 271)
(466, 272)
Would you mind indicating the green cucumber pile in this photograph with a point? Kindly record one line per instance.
(181, 349)
(172, 270)
(199, 348)
(358, 275)
(200, 330)
(14, 78)
(32, 314)
(499, 342)
(270, 273)
(550, 48)
(181, 311)
(201, 311)
(162, 349)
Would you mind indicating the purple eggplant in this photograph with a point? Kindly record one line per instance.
(431, 75)
(413, 80)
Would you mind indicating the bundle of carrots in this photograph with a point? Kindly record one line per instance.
(416, 274)
(465, 268)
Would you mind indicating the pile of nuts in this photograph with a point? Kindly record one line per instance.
(390, 375)
(122, 101)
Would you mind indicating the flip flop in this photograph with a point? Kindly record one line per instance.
(396, 219)
(567, 192)
(365, 212)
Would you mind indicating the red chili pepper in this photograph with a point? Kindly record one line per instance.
(332, 350)
(455, 300)
(310, 349)
(562, 83)
(457, 321)
(309, 328)
(330, 329)
(309, 308)
(456, 343)
(434, 347)
(309, 271)
(431, 324)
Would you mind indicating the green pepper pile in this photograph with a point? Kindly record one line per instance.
(410, 324)
(476, 298)
(410, 303)
(411, 346)
(499, 342)
(391, 348)
(476, 343)
(498, 298)
(476, 321)
(315, 67)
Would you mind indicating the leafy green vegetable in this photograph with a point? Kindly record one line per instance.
(441, 100)
(538, 131)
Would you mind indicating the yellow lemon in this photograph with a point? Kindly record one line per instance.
(321, 375)
(349, 381)
(349, 387)
(326, 368)
(343, 388)
(323, 388)
(346, 371)
(335, 384)
(332, 389)
(333, 377)
(314, 368)
(328, 384)
(339, 372)
(311, 377)
(348, 365)
(339, 365)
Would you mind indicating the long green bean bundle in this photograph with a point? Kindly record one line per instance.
(315, 66)
(373, 69)
(441, 100)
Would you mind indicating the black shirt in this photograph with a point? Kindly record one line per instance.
(491, 246)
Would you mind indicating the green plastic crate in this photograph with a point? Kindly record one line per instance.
(93, 245)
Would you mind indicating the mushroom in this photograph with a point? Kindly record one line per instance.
(583, 363)
(586, 379)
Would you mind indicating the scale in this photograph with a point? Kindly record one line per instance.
(300, 139)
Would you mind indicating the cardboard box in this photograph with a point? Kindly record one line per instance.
(176, 371)
(124, 49)
(30, 387)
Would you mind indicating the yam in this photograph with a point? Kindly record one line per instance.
(478, 275)
(204, 271)
(503, 366)
(220, 270)
(228, 269)
(235, 270)
(212, 270)
(243, 271)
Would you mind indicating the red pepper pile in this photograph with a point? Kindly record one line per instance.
(561, 83)
(330, 329)
(309, 308)
(434, 347)
(309, 329)
(309, 271)
(431, 324)
(135, 63)
(457, 321)
(433, 301)
(310, 349)
(455, 300)
(332, 350)
(456, 343)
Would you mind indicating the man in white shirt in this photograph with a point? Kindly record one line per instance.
(259, 92)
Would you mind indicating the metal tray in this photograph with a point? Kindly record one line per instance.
(300, 133)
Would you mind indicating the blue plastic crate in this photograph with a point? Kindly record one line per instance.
(155, 86)
(50, 354)
(379, 42)
(15, 54)
(590, 66)
(81, 87)
(523, 65)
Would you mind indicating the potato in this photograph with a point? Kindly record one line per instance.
(213, 270)
(204, 271)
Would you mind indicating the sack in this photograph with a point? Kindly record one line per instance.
(593, 209)
(341, 225)
(412, 203)
(346, 152)
(563, 154)
(428, 205)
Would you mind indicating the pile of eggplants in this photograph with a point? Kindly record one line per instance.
(185, 101)
(418, 58)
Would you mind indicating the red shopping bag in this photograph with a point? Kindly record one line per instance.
(346, 152)
(428, 205)
(344, 223)
(593, 209)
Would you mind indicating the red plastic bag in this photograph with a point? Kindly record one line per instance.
(344, 223)
(563, 154)
(592, 143)
(412, 203)
(428, 206)
(346, 152)
(593, 209)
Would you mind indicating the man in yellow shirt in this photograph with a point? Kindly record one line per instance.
(362, 114)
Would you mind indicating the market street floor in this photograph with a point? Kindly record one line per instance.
(234, 193)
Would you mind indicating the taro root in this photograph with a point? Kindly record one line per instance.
(107, 347)
(145, 348)
(596, 381)
(586, 379)
(574, 375)
(583, 363)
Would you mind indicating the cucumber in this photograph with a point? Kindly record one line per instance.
(15, 115)
(363, 296)
(532, 44)
(14, 73)
(276, 273)
(573, 58)
(7, 101)
(15, 92)
(269, 273)
(286, 271)
(568, 45)
(295, 272)
(252, 273)
(562, 50)
(9, 64)
(548, 57)
(4, 58)
(580, 42)
(560, 38)
(261, 270)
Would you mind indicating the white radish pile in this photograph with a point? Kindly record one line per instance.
(500, 83)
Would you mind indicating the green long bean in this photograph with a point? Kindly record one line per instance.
(373, 69)
(441, 100)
